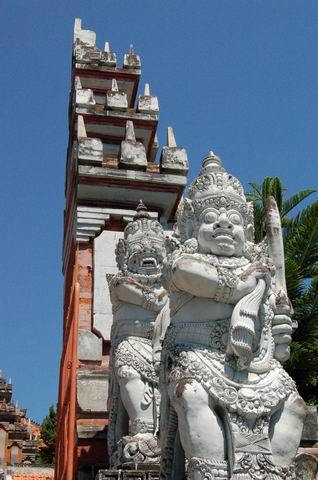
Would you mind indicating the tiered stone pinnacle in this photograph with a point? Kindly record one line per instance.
(113, 143)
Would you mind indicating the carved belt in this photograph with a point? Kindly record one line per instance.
(212, 334)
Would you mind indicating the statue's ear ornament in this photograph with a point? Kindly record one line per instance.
(120, 252)
(172, 243)
(191, 245)
(186, 220)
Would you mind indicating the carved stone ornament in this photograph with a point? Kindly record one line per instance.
(139, 310)
(228, 406)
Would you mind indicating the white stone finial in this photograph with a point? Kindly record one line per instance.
(141, 206)
(10, 381)
(81, 130)
(78, 84)
(130, 131)
(77, 25)
(114, 85)
(155, 141)
(171, 141)
(211, 162)
(16, 404)
(107, 47)
(147, 90)
(87, 37)
(131, 59)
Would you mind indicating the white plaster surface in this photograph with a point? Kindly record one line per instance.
(117, 100)
(90, 347)
(133, 154)
(147, 103)
(85, 97)
(92, 391)
(87, 37)
(104, 263)
(90, 150)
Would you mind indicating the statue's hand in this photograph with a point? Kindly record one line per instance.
(248, 279)
(257, 270)
(282, 328)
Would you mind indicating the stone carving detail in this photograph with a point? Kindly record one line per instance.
(173, 159)
(132, 153)
(227, 402)
(139, 309)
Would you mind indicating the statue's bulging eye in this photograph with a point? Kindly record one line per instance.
(236, 219)
(210, 217)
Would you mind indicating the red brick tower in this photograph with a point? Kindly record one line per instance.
(111, 165)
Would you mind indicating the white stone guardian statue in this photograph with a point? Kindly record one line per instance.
(138, 301)
(229, 408)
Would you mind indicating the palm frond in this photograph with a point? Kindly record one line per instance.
(256, 189)
(295, 200)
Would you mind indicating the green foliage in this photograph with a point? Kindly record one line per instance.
(301, 267)
(48, 436)
(273, 186)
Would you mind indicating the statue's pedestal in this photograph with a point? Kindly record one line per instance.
(144, 474)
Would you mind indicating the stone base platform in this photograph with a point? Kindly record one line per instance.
(127, 475)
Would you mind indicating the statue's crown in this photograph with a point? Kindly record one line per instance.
(143, 227)
(214, 186)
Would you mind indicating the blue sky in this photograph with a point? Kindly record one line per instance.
(238, 77)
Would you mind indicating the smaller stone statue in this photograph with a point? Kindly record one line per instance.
(139, 302)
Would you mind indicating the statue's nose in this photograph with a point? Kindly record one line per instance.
(223, 222)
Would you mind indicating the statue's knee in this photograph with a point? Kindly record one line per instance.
(297, 406)
(189, 391)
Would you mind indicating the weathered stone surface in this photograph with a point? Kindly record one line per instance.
(131, 60)
(92, 431)
(90, 347)
(86, 37)
(174, 160)
(132, 153)
(116, 99)
(86, 54)
(310, 431)
(90, 151)
(306, 467)
(108, 58)
(92, 390)
(148, 104)
(85, 98)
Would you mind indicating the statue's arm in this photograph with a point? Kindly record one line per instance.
(204, 280)
(129, 291)
(197, 278)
